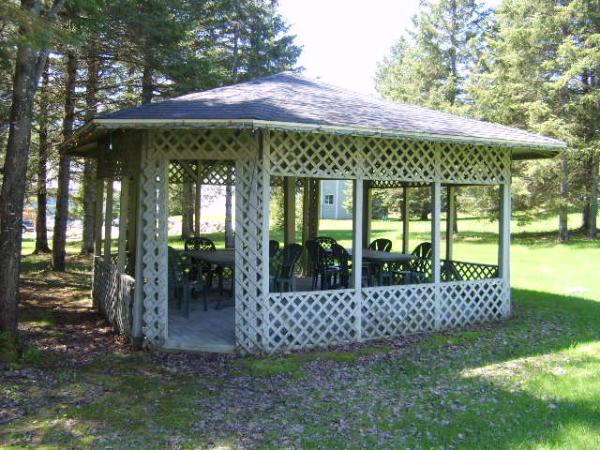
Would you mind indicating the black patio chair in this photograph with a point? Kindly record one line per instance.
(206, 245)
(342, 259)
(380, 271)
(321, 263)
(181, 286)
(273, 247)
(283, 267)
(381, 245)
(415, 271)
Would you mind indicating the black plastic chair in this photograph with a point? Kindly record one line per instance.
(181, 286)
(206, 245)
(381, 272)
(381, 245)
(342, 260)
(283, 267)
(416, 270)
(273, 247)
(321, 263)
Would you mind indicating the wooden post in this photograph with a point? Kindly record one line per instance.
(98, 219)
(436, 209)
(314, 207)
(138, 293)
(357, 246)
(450, 217)
(289, 210)
(123, 223)
(132, 224)
(265, 197)
(405, 221)
(108, 220)
(367, 207)
(504, 247)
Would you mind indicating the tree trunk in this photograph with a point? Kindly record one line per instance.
(187, 210)
(563, 226)
(424, 215)
(89, 167)
(41, 230)
(59, 240)
(229, 241)
(592, 231)
(28, 66)
(147, 82)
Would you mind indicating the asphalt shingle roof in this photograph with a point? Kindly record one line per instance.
(296, 99)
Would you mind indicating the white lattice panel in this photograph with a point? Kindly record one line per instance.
(397, 310)
(299, 320)
(249, 267)
(324, 155)
(205, 144)
(315, 154)
(466, 302)
(470, 163)
(154, 190)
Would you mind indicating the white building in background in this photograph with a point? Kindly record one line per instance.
(333, 197)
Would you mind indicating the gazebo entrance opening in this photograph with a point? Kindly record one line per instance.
(201, 262)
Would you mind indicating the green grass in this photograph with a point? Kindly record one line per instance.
(532, 382)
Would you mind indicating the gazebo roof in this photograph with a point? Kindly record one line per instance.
(292, 101)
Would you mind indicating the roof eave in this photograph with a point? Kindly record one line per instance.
(86, 134)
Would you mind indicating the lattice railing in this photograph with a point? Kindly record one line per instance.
(113, 294)
(467, 271)
(397, 310)
(467, 302)
(298, 320)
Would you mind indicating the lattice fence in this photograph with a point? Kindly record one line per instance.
(299, 320)
(113, 293)
(466, 302)
(324, 155)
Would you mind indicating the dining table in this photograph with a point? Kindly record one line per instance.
(378, 259)
(224, 258)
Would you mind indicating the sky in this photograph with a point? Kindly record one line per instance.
(343, 40)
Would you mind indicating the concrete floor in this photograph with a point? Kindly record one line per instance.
(202, 331)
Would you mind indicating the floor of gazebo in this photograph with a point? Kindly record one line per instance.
(203, 331)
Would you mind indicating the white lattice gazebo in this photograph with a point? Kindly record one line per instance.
(291, 128)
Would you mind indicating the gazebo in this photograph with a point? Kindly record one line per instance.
(292, 131)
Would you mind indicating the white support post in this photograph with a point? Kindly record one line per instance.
(98, 219)
(405, 221)
(138, 293)
(108, 220)
(450, 207)
(265, 197)
(123, 223)
(504, 247)
(289, 210)
(357, 247)
(367, 212)
(436, 209)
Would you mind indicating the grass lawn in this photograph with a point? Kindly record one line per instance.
(530, 382)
